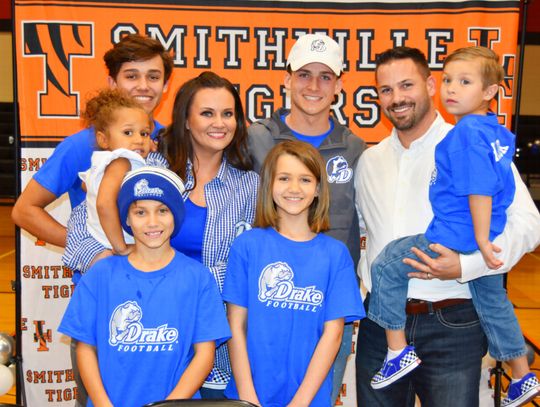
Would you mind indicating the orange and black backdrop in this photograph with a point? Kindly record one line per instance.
(59, 47)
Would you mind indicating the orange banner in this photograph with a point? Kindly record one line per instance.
(60, 47)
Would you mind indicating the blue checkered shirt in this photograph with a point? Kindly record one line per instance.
(230, 200)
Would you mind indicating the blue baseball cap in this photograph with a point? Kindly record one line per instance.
(156, 184)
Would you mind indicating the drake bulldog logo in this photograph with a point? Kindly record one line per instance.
(338, 170)
(241, 227)
(123, 317)
(318, 46)
(277, 290)
(433, 178)
(142, 189)
(271, 276)
(127, 333)
(498, 150)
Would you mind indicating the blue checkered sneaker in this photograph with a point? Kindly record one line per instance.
(396, 368)
(522, 392)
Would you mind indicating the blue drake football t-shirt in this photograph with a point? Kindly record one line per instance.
(290, 290)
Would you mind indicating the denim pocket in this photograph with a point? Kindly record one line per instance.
(458, 316)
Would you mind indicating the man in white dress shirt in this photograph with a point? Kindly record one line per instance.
(392, 184)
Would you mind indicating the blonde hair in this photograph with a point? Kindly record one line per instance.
(492, 72)
(266, 213)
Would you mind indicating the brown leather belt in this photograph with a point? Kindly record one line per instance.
(415, 307)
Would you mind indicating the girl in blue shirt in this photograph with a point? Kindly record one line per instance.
(289, 287)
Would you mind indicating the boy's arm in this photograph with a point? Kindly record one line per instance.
(88, 366)
(29, 214)
(320, 364)
(480, 206)
(521, 235)
(198, 369)
(107, 207)
(237, 316)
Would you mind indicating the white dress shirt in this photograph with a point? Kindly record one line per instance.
(392, 199)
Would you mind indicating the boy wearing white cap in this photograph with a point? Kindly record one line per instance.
(147, 324)
(313, 79)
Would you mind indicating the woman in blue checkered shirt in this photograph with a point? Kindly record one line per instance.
(206, 145)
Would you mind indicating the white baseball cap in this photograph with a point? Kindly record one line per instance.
(316, 48)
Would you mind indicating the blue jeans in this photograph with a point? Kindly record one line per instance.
(389, 296)
(212, 394)
(497, 316)
(341, 361)
(450, 342)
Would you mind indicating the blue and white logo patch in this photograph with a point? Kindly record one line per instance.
(498, 150)
(433, 178)
(277, 290)
(338, 170)
(241, 227)
(142, 189)
(318, 45)
(127, 333)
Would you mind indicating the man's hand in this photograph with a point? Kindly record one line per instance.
(444, 267)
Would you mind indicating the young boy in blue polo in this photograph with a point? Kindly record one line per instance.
(471, 188)
(147, 323)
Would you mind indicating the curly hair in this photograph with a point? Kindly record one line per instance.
(100, 109)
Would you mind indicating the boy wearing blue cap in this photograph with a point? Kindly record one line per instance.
(147, 323)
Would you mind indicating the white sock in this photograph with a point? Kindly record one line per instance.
(514, 381)
(392, 354)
